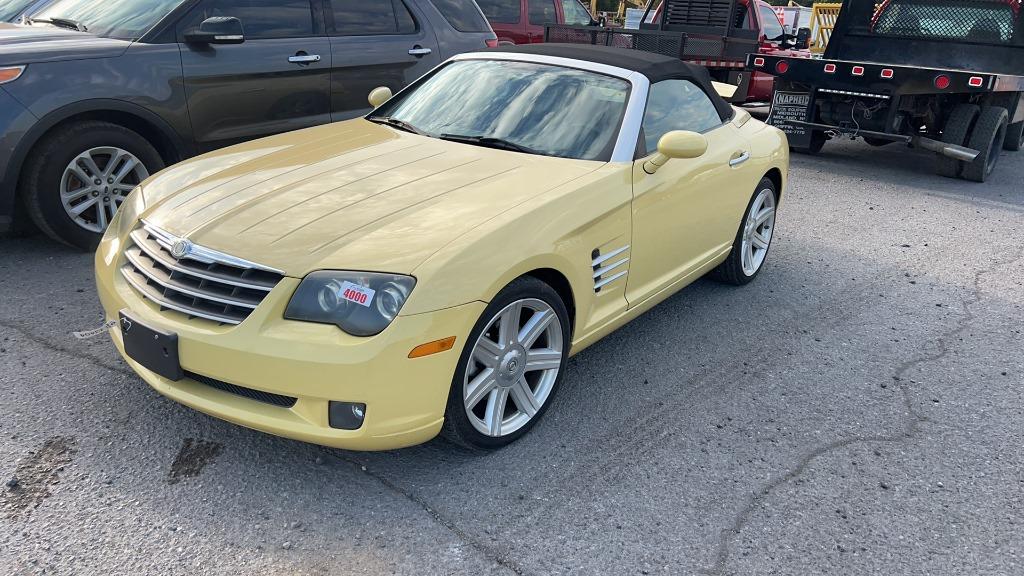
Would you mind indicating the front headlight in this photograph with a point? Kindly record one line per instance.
(360, 303)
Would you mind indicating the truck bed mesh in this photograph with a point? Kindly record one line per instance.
(675, 44)
(983, 21)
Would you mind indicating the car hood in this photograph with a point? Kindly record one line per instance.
(351, 195)
(41, 43)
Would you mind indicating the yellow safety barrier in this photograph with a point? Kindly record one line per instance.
(823, 18)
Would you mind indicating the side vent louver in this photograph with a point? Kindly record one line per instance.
(608, 267)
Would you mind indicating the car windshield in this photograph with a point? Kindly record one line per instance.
(124, 19)
(11, 8)
(536, 108)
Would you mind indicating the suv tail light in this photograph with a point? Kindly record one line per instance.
(491, 42)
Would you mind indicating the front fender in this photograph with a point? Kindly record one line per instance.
(559, 231)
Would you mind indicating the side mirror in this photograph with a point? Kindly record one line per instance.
(379, 95)
(676, 144)
(217, 30)
(803, 38)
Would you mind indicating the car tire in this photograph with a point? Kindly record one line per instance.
(956, 131)
(747, 257)
(48, 171)
(987, 136)
(1014, 137)
(470, 407)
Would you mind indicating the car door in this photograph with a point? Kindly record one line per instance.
(382, 43)
(539, 13)
(505, 17)
(277, 79)
(684, 215)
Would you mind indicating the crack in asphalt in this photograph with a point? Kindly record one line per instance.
(488, 552)
(55, 347)
(911, 425)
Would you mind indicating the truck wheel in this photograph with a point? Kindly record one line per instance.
(876, 142)
(818, 139)
(957, 128)
(1014, 137)
(76, 177)
(988, 136)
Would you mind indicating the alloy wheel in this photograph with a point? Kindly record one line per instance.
(757, 231)
(96, 182)
(513, 367)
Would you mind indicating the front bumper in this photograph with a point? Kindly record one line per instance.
(315, 363)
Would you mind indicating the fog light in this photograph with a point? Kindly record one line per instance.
(345, 415)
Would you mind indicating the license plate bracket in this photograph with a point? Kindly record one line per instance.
(155, 350)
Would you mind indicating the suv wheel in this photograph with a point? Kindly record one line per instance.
(75, 179)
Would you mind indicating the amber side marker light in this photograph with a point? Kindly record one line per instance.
(442, 345)
(9, 74)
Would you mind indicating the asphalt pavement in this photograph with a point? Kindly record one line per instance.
(858, 409)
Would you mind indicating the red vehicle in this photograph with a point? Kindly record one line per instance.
(717, 34)
(773, 40)
(523, 21)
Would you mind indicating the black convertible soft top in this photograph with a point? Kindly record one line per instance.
(655, 67)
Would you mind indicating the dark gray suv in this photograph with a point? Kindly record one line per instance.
(96, 95)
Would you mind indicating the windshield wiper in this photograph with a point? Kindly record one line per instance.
(489, 142)
(396, 123)
(60, 22)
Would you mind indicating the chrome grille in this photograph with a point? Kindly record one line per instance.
(203, 284)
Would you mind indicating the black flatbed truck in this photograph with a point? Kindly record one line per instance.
(942, 75)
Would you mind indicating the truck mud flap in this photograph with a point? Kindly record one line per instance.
(740, 79)
(789, 113)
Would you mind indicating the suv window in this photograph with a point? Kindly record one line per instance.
(543, 12)
(501, 11)
(676, 105)
(261, 19)
(362, 18)
(463, 15)
(575, 14)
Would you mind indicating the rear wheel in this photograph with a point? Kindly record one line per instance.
(988, 136)
(750, 247)
(1014, 137)
(510, 368)
(957, 128)
(75, 179)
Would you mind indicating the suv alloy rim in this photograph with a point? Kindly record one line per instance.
(513, 367)
(95, 183)
(757, 231)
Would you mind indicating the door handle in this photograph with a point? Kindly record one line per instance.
(304, 58)
(419, 51)
(743, 157)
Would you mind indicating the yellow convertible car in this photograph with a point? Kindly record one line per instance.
(431, 266)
